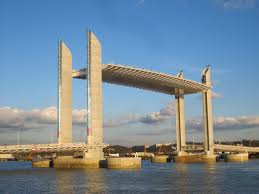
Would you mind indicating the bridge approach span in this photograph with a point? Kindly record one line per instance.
(54, 147)
(81, 146)
(232, 148)
(223, 148)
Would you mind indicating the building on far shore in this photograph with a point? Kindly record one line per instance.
(163, 144)
(142, 154)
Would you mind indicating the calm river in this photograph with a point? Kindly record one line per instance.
(20, 177)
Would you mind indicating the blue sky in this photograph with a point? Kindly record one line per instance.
(166, 36)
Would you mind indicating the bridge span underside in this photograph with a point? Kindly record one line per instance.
(144, 79)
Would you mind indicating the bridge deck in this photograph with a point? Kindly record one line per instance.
(232, 148)
(144, 79)
(11, 149)
(223, 148)
(81, 146)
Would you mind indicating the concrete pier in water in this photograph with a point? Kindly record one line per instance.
(160, 159)
(70, 162)
(236, 157)
(194, 158)
(45, 163)
(124, 163)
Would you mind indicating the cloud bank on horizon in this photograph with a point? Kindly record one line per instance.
(14, 119)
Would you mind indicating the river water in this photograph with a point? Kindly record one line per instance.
(20, 177)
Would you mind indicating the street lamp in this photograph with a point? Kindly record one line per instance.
(18, 137)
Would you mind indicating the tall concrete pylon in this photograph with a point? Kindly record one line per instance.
(179, 119)
(207, 113)
(94, 87)
(64, 94)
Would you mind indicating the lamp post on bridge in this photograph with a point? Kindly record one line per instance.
(18, 137)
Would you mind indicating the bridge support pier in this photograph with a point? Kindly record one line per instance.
(70, 162)
(41, 163)
(207, 122)
(195, 158)
(207, 114)
(180, 120)
(94, 98)
(64, 94)
(236, 157)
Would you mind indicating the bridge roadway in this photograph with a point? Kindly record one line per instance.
(223, 148)
(81, 146)
(232, 148)
(54, 147)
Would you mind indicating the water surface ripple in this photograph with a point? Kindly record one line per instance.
(20, 177)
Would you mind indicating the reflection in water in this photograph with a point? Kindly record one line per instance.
(18, 177)
(64, 181)
(80, 180)
(95, 181)
(182, 181)
(189, 175)
(210, 178)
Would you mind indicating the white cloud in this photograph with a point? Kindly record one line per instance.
(19, 119)
(140, 2)
(79, 116)
(121, 121)
(215, 95)
(14, 118)
(195, 125)
(226, 123)
(151, 118)
(161, 116)
(237, 4)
